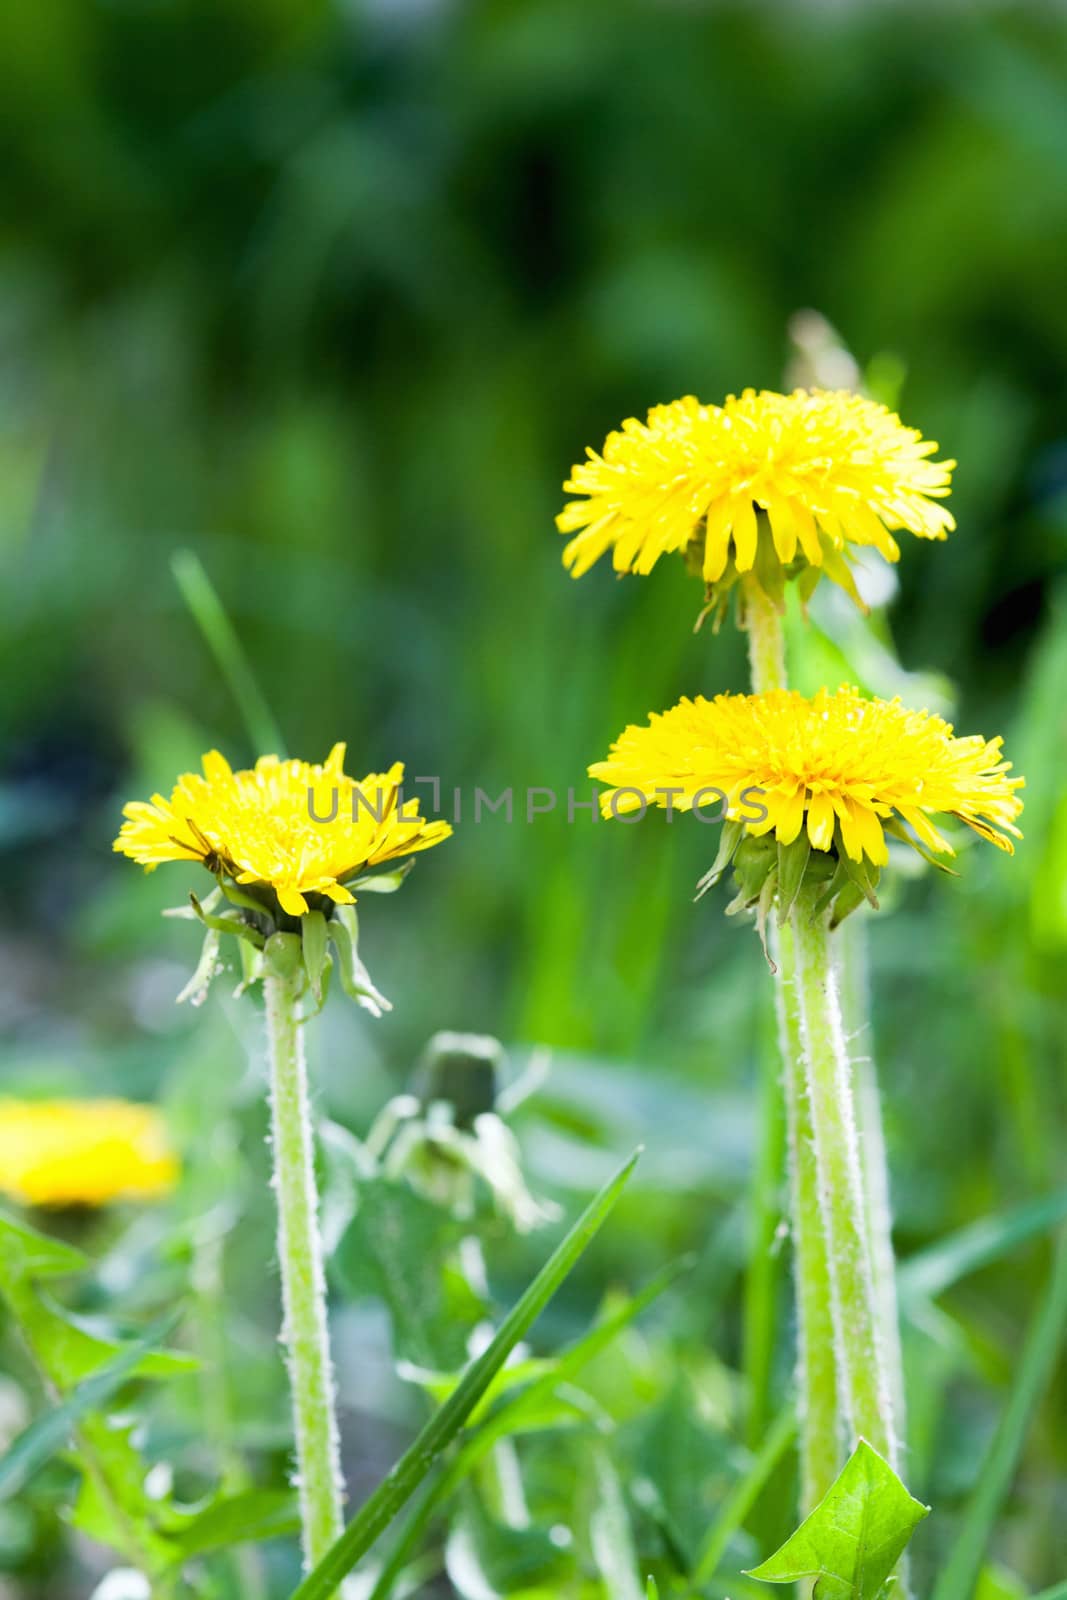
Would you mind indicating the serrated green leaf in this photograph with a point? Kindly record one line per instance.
(855, 1536)
(113, 1504)
(69, 1348)
(673, 1448)
(25, 1253)
(541, 1403)
(375, 1515)
(245, 1518)
(49, 1433)
(402, 1247)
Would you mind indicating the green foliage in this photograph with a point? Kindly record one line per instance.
(328, 298)
(50, 1432)
(403, 1248)
(382, 1506)
(113, 1505)
(855, 1536)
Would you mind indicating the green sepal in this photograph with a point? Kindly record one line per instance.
(807, 582)
(206, 968)
(383, 882)
(792, 865)
(838, 884)
(768, 571)
(324, 989)
(848, 900)
(356, 981)
(862, 874)
(855, 1536)
(763, 911)
(282, 955)
(226, 924)
(729, 841)
(838, 571)
(251, 967)
(315, 940)
(754, 861)
(897, 830)
(189, 914)
(237, 897)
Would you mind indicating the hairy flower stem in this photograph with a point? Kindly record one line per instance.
(819, 1429)
(305, 1330)
(852, 958)
(766, 641)
(862, 1367)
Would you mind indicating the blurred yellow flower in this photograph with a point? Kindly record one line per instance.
(83, 1152)
(844, 767)
(297, 828)
(829, 468)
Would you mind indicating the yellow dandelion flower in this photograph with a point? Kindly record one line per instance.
(829, 468)
(295, 828)
(844, 768)
(83, 1152)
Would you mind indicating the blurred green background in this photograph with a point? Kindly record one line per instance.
(333, 294)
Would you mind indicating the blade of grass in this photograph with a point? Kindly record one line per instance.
(375, 1515)
(937, 1268)
(220, 636)
(504, 1420)
(960, 1575)
(50, 1433)
(1057, 1592)
(611, 1537)
(743, 1496)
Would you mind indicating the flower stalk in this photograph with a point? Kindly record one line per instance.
(852, 962)
(818, 1425)
(766, 640)
(819, 1431)
(866, 1388)
(305, 1332)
